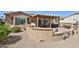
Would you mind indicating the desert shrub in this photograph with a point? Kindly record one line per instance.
(16, 29)
(4, 32)
(67, 26)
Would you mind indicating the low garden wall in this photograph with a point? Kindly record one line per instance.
(39, 34)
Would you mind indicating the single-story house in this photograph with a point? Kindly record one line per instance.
(21, 18)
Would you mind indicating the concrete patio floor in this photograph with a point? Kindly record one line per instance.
(72, 42)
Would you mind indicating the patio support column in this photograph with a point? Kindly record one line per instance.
(37, 21)
(30, 20)
(50, 22)
(58, 20)
(26, 21)
(14, 21)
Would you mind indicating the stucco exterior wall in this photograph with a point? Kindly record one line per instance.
(73, 17)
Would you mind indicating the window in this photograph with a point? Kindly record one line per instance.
(19, 21)
(40, 22)
(46, 22)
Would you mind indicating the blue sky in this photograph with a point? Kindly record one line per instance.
(55, 13)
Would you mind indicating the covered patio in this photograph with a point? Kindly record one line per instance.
(44, 20)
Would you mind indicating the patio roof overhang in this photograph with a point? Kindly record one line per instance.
(43, 16)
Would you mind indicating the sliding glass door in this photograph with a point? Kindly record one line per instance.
(43, 22)
(20, 21)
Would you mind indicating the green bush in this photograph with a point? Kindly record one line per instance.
(16, 29)
(4, 32)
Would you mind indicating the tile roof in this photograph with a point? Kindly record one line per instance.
(13, 12)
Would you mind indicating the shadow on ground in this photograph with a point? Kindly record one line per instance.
(10, 40)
